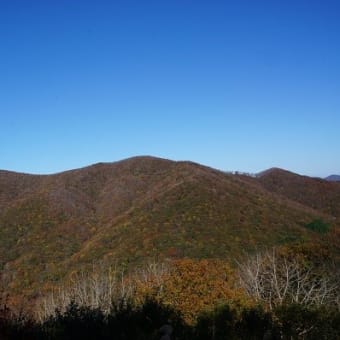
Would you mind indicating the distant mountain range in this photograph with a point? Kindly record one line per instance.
(146, 207)
(333, 178)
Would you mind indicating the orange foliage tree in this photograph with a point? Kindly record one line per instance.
(193, 286)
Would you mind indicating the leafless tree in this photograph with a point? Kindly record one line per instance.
(277, 279)
(99, 287)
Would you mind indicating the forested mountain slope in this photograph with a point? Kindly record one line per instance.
(145, 207)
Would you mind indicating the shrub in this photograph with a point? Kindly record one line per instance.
(306, 322)
(318, 226)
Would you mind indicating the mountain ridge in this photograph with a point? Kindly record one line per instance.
(149, 157)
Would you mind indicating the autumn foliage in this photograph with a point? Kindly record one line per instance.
(193, 286)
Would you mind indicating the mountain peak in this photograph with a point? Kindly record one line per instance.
(274, 171)
(333, 178)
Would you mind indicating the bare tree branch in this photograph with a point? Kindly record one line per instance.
(276, 279)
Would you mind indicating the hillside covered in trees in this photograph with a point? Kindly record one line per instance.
(188, 237)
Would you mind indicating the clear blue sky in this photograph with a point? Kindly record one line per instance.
(236, 85)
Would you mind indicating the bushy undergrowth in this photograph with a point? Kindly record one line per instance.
(143, 322)
(318, 226)
(202, 299)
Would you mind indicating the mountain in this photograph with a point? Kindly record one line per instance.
(145, 207)
(333, 178)
(314, 193)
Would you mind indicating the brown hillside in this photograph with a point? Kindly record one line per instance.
(315, 193)
(139, 208)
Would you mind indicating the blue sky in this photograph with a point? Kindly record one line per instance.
(236, 85)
